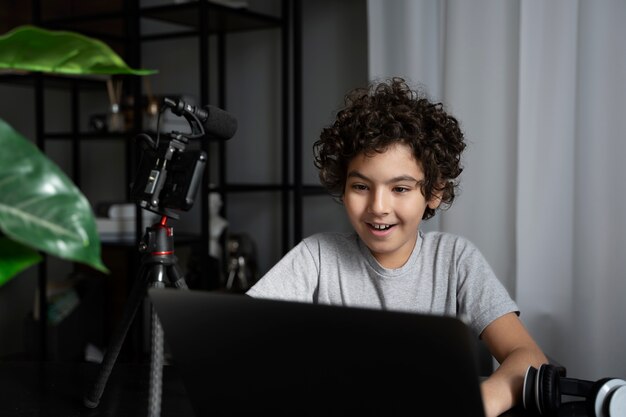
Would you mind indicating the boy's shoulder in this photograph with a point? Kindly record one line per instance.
(437, 239)
(332, 246)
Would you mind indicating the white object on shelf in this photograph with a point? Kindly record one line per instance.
(217, 224)
(121, 226)
(121, 211)
(121, 222)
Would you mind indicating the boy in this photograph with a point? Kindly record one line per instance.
(393, 157)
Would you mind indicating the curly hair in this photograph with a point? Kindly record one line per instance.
(385, 114)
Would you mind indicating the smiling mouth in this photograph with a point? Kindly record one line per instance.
(380, 227)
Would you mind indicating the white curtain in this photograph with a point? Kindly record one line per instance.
(540, 90)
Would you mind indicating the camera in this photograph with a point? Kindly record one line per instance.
(168, 178)
(169, 175)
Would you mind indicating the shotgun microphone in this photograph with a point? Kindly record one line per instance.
(217, 123)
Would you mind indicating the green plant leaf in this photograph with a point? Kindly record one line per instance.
(15, 258)
(41, 207)
(34, 49)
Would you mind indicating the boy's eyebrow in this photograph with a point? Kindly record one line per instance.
(400, 178)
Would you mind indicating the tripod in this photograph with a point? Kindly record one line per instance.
(167, 180)
(158, 266)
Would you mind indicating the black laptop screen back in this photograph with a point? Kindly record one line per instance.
(243, 356)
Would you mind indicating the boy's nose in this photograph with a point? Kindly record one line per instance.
(379, 203)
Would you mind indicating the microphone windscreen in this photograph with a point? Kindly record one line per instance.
(219, 124)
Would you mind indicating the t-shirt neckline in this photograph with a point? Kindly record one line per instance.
(391, 272)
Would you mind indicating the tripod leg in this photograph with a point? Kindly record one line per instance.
(176, 277)
(92, 399)
(157, 346)
(156, 363)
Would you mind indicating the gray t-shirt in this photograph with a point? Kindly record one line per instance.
(446, 275)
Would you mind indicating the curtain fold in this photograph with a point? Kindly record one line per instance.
(540, 91)
(545, 186)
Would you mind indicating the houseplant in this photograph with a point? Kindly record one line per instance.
(40, 207)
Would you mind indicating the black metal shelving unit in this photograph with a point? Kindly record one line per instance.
(200, 20)
(197, 19)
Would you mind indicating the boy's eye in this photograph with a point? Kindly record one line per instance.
(359, 187)
(401, 189)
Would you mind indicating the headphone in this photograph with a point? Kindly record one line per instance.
(543, 388)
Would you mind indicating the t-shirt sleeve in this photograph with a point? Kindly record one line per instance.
(481, 296)
(293, 278)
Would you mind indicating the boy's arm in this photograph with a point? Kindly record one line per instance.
(510, 343)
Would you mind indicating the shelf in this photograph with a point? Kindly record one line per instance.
(314, 190)
(67, 21)
(119, 23)
(108, 135)
(181, 239)
(244, 188)
(219, 18)
(88, 135)
(57, 81)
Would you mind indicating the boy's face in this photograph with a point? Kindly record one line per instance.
(385, 204)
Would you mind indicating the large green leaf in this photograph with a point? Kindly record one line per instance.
(41, 207)
(34, 49)
(15, 258)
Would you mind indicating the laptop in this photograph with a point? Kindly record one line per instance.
(241, 356)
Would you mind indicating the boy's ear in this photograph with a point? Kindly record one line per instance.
(435, 199)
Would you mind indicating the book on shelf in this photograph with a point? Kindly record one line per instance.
(116, 220)
(118, 210)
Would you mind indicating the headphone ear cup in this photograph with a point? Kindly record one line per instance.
(600, 392)
(528, 390)
(549, 391)
(617, 403)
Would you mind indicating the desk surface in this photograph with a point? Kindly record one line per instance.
(56, 389)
